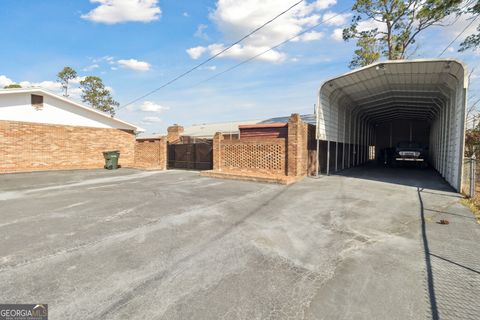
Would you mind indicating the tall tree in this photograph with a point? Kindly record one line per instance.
(64, 77)
(97, 96)
(389, 28)
(367, 52)
(12, 86)
(472, 41)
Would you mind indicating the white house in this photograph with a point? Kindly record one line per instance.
(40, 130)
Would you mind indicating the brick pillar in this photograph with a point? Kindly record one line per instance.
(217, 151)
(163, 153)
(296, 147)
(174, 133)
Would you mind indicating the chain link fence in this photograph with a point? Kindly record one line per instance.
(470, 177)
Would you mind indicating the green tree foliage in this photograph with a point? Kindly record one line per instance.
(472, 41)
(389, 28)
(64, 77)
(367, 52)
(13, 86)
(472, 142)
(97, 96)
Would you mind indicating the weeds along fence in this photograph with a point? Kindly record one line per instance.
(471, 177)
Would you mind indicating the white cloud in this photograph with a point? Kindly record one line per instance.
(149, 106)
(74, 90)
(108, 59)
(134, 64)
(337, 34)
(336, 19)
(48, 85)
(196, 52)
(91, 67)
(186, 14)
(236, 18)
(324, 4)
(311, 36)
(371, 24)
(5, 81)
(241, 52)
(209, 68)
(457, 25)
(151, 120)
(200, 32)
(117, 11)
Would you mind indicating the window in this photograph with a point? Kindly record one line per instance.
(37, 102)
(371, 152)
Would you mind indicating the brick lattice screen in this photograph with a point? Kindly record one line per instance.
(151, 154)
(265, 156)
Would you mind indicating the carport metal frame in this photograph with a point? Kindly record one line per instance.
(432, 90)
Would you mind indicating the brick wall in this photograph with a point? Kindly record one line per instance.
(282, 160)
(31, 147)
(174, 133)
(297, 152)
(266, 156)
(259, 131)
(151, 154)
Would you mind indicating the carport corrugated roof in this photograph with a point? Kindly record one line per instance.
(425, 89)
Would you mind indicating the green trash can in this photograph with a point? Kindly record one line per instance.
(111, 159)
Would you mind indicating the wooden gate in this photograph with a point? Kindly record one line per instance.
(195, 156)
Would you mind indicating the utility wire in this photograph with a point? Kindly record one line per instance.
(270, 49)
(458, 36)
(212, 57)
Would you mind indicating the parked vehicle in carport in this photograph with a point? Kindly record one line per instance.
(410, 152)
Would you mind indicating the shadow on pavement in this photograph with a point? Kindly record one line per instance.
(408, 176)
(428, 262)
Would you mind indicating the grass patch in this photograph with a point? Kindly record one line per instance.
(474, 205)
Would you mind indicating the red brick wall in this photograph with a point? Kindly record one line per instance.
(32, 147)
(259, 131)
(265, 156)
(297, 152)
(151, 153)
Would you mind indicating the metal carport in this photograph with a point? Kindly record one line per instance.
(366, 107)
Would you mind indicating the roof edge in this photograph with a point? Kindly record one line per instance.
(373, 65)
(70, 101)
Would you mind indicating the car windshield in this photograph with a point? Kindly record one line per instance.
(409, 145)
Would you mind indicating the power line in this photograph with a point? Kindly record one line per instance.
(458, 36)
(270, 49)
(212, 57)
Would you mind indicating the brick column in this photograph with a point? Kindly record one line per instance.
(217, 151)
(163, 153)
(174, 133)
(296, 147)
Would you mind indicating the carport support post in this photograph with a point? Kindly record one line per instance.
(217, 151)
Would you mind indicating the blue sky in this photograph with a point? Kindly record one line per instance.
(137, 45)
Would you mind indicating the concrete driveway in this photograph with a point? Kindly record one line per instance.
(129, 244)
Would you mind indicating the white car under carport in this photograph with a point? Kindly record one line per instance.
(375, 107)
